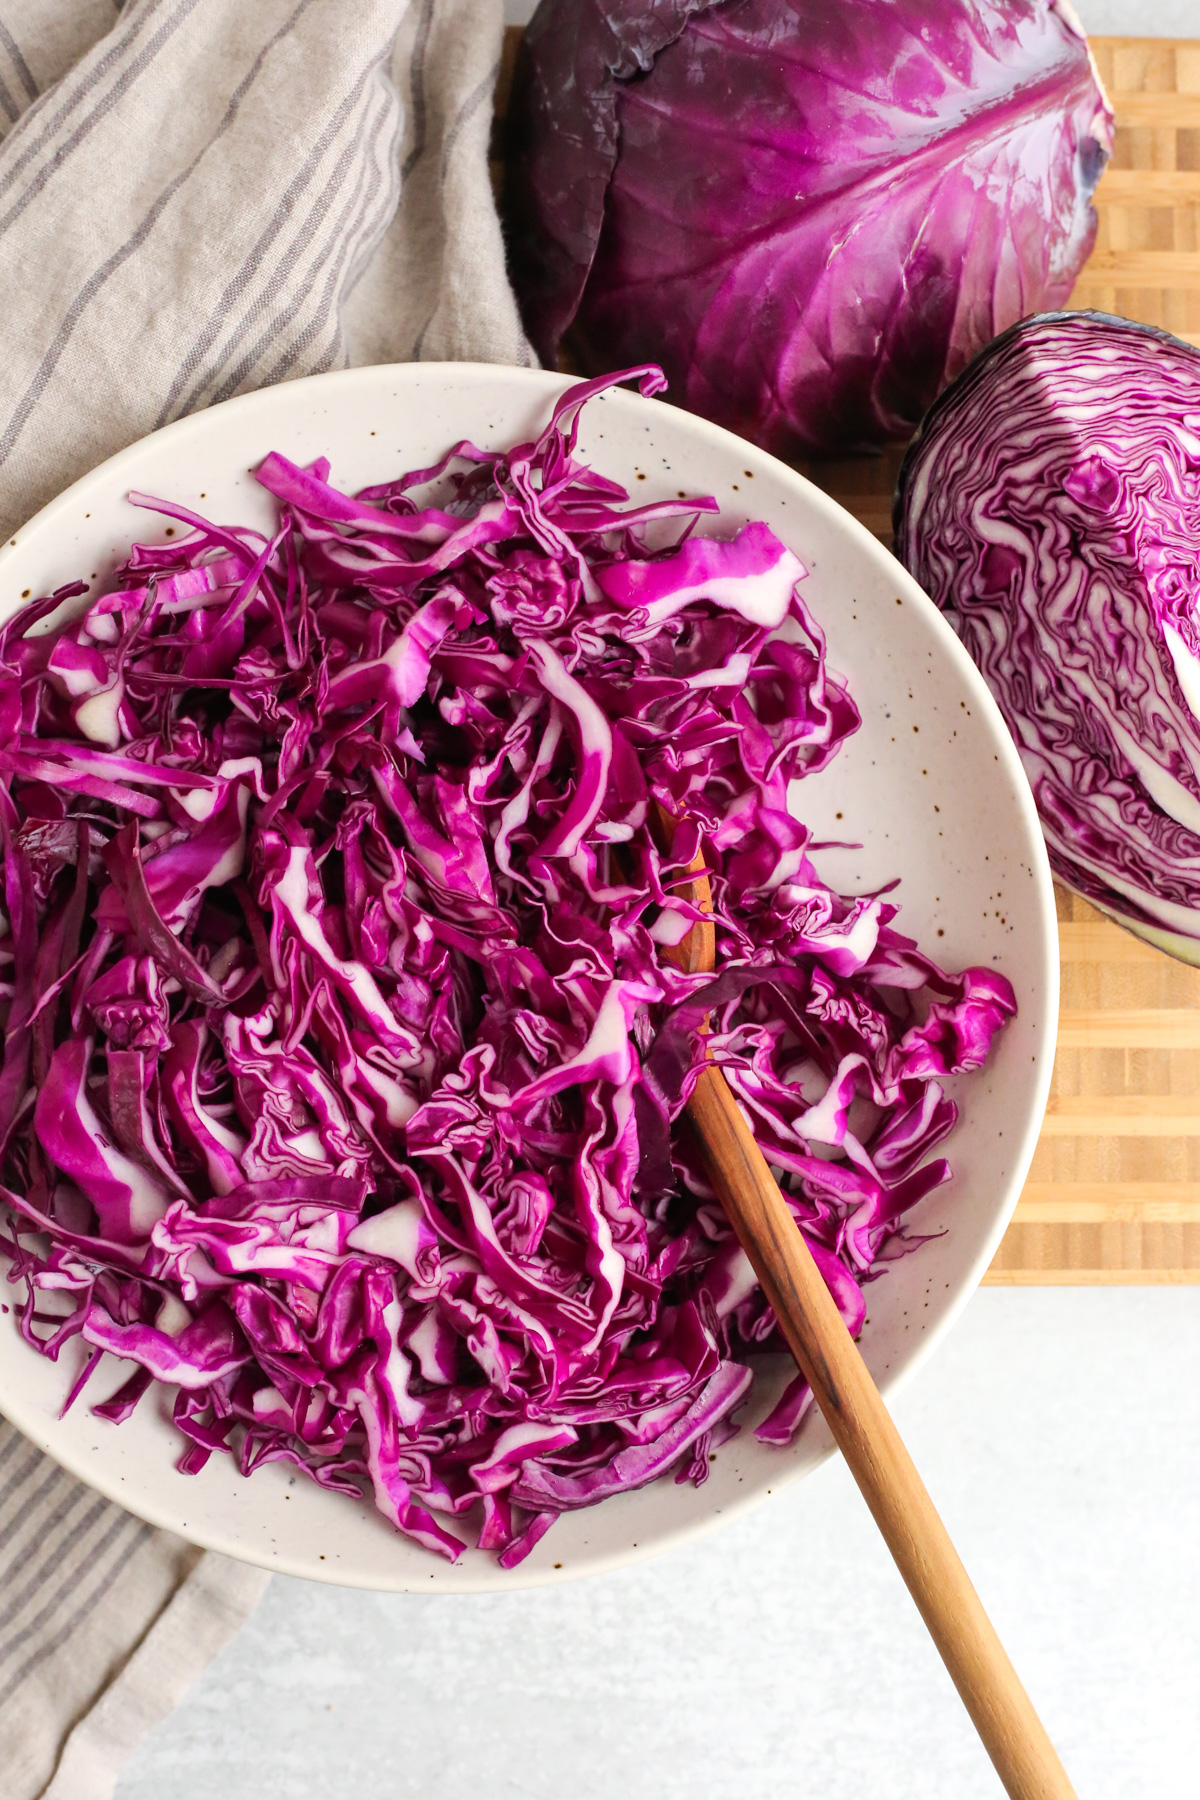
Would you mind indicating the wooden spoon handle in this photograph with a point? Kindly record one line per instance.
(1012, 1733)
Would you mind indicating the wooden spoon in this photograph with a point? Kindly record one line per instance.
(829, 1359)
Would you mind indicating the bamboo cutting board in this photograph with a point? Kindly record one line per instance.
(1114, 1191)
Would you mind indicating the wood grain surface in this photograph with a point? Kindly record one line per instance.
(1114, 1191)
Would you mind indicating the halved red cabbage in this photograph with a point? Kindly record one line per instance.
(342, 1076)
(1051, 504)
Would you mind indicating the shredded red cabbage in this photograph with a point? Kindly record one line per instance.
(342, 1077)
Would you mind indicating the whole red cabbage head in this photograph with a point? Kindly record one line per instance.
(811, 215)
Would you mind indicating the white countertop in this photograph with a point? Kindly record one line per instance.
(1059, 1432)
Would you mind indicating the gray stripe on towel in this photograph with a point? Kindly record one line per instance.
(121, 255)
(236, 289)
(342, 233)
(90, 1601)
(60, 155)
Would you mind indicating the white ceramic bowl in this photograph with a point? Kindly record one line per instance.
(930, 786)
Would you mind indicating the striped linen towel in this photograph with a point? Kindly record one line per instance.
(199, 197)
